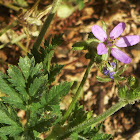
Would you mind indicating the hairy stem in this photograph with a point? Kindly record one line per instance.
(66, 115)
(95, 120)
(103, 116)
(46, 24)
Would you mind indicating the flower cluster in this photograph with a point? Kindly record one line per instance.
(110, 70)
(113, 41)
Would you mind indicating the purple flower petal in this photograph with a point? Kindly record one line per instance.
(112, 64)
(128, 41)
(111, 74)
(121, 56)
(117, 30)
(99, 33)
(106, 72)
(101, 49)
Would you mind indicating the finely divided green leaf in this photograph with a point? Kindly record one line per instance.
(90, 134)
(56, 92)
(101, 136)
(17, 80)
(57, 40)
(37, 70)
(36, 135)
(54, 71)
(3, 137)
(11, 130)
(13, 114)
(37, 83)
(78, 116)
(39, 120)
(47, 59)
(129, 94)
(51, 99)
(14, 97)
(45, 54)
(26, 65)
(16, 77)
(5, 116)
(74, 136)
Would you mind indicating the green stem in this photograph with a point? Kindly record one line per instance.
(46, 25)
(66, 115)
(95, 120)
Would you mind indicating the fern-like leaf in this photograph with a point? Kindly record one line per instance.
(48, 102)
(11, 130)
(17, 80)
(26, 65)
(11, 124)
(37, 84)
(13, 97)
(54, 71)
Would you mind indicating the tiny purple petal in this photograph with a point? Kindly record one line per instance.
(128, 41)
(112, 64)
(117, 30)
(111, 74)
(99, 33)
(106, 72)
(121, 56)
(101, 49)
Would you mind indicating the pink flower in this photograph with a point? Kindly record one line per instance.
(112, 42)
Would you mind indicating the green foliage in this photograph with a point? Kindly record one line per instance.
(26, 65)
(85, 45)
(45, 53)
(3, 137)
(80, 116)
(12, 97)
(89, 45)
(54, 71)
(37, 85)
(17, 81)
(52, 98)
(93, 133)
(40, 119)
(26, 87)
(10, 122)
(130, 91)
(29, 87)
